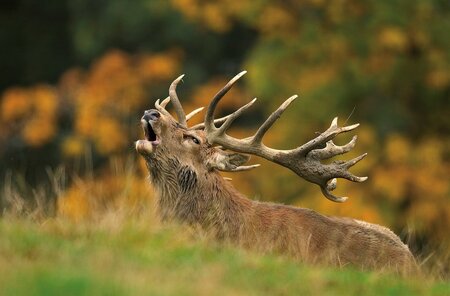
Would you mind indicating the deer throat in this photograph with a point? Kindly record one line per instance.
(210, 202)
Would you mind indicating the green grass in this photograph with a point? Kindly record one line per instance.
(134, 257)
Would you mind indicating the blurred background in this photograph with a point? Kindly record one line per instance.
(76, 77)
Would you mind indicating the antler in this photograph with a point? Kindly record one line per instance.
(182, 117)
(161, 107)
(303, 160)
(176, 103)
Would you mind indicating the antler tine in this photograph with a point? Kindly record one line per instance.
(193, 113)
(332, 149)
(232, 117)
(241, 168)
(161, 106)
(257, 138)
(303, 160)
(165, 102)
(176, 102)
(209, 117)
(216, 121)
(246, 167)
(352, 162)
(327, 135)
(330, 187)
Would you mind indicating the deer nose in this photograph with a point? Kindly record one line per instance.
(151, 114)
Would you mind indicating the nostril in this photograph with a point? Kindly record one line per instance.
(155, 113)
(151, 115)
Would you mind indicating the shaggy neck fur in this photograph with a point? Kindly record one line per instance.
(206, 200)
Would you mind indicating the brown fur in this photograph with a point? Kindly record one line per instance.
(191, 190)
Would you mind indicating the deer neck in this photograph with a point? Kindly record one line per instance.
(204, 199)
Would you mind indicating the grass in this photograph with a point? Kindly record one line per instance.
(123, 254)
(125, 251)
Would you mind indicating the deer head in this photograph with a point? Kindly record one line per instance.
(167, 138)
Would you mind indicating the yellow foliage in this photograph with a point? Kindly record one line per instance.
(318, 3)
(313, 78)
(123, 188)
(339, 47)
(84, 120)
(38, 131)
(420, 37)
(109, 136)
(427, 216)
(107, 68)
(214, 14)
(204, 93)
(158, 66)
(431, 151)
(393, 38)
(415, 171)
(33, 112)
(74, 204)
(112, 82)
(429, 184)
(438, 79)
(45, 100)
(438, 76)
(240, 8)
(358, 206)
(15, 103)
(379, 62)
(336, 10)
(71, 80)
(73, 146)
(436, 57)
(397, 149)
(392, 182)
(416, 175)
(188, 7)
(215, 17)
(276, 19)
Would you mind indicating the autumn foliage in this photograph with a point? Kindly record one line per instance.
(363, 61)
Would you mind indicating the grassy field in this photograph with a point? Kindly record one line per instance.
(120, 255)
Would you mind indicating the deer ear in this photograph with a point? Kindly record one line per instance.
(227, 161)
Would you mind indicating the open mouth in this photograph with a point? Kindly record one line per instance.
(149, 133)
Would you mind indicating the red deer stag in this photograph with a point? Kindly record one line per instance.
(184, 164)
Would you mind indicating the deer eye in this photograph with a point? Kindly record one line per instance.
(192, 138)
